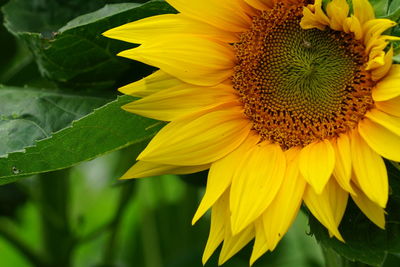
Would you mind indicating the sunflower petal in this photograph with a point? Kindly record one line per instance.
(221, 173)
(191, 59)
(337, 11)
(375, 213)
(317, 161)
(391, 106)
(314, 17)
(151, 84)
(234, 243)
(260, 244)
(389, 87)
(256, 184)
(370, 171)
(163, 25)
(374, 29)
(352, 24)
(219, 213)
(391, 123)
(278, 217)
(363, 10)
(199, 139)
(380, 139)
(146, 169)
(328, 207)
(261, 4)
(172, 103)
(383, 70)
(342, 171)
(230, 16)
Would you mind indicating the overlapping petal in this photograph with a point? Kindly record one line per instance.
(191, 59)
(370, 171)
(329, 206)
(221, 174)
(199, 139)
(230, 17)
(256, 183)
(178, 101)
(316, 169)
(343, 170)
(151, 84)
(389, 87)
(383, 141)
(146, 169)
(144, 30)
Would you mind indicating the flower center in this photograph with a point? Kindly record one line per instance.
(299, 86)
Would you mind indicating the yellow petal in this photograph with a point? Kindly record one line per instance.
(390, 122)
(370, 171)
(317, 161)
(281, 213)
(151, 84)
(219, 215)
(389, 87)
(232, 244)
(363, 10)
(342, 171)
(261, 4)
(337, 11)
(172, 103)
(147, 169)
(199, 139)
(256, 183)
(162, 25)
(383, 70)
(328, 207)
(314, 17)
(230, 17)
(260, 244)
(221, 173)
(352, 24)
(373, 29)
(191, 59)
(375, 213)
(380, 139)
(391, 106)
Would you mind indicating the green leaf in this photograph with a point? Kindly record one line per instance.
(28, 115)
(107, 129)
(365, 242)
(381, 7)
(75, 54)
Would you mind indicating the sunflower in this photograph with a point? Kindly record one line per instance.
(285, 101)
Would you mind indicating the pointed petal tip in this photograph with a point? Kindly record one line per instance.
(196, 218)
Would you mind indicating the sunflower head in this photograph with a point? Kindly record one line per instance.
(285, 101)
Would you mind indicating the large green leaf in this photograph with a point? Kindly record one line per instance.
(107, 129)
(74, 54)
(365, 242)
(28, 115)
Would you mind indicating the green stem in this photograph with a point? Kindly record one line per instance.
(125, 195)
(15, 240)
(54, 202)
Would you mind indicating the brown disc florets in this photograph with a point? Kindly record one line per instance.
(299, 86)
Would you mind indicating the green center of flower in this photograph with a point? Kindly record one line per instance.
(297, 85)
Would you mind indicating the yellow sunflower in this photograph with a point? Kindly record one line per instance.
(284, 101)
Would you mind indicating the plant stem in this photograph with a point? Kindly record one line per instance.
(125, 195)
(54, 202)
(14, 239)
